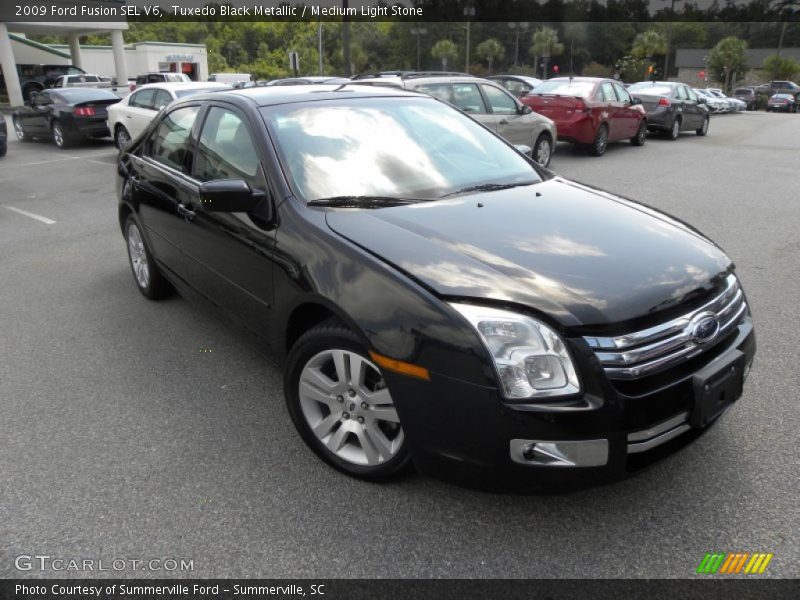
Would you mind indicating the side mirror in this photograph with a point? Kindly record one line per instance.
(229, 195)
(525, 110)
(635, 100)
(701, 100)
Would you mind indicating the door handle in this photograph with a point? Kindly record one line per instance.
(187, 214)
(128, 116)
(503, 122)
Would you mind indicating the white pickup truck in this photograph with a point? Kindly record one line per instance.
(92, 81)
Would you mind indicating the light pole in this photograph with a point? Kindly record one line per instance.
(669, 38)
(517, 28)
(469, 11)
(418, 31)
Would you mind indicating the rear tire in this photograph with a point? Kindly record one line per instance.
(703, 129)
(59, 137)
(340, 405)
(600, 143)
(641, 136)
(151, 283)
(674, 130)
(121, 137)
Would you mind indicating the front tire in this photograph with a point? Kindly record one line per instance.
(641, 136)
(543, 150)
(600, 143)
(121, 138)
(703, 129)
(340, 405)
(146, 275)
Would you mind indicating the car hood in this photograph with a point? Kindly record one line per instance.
(580, 255)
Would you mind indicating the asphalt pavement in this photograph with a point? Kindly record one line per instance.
(136, 430)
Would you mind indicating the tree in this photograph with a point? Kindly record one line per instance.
(490, 50)
(545, 44)
(727, 60)
(444, 50)
(781, 67)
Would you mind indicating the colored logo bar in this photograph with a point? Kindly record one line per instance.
(734, 563)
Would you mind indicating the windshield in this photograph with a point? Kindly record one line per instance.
(565, 87)
(410, 148)
(648, 88)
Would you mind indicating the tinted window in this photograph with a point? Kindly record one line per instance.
(170, 143)
(467, 97)
(142, 99)
(680, 93)
(500, 101)
(443, 91)
(226, 149)
(83, 79)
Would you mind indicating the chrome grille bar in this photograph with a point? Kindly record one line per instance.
(657, 348)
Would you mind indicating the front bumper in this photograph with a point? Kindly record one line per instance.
(466, 434)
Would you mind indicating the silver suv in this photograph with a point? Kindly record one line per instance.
(487, 102)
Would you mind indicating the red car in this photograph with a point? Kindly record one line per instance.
(590, 110)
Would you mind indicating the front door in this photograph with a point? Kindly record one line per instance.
(515, 127)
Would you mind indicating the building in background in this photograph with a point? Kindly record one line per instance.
(690, 62)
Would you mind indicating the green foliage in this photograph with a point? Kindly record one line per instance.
(632, 69)
(444, 50)
(781, 67)
(648, 44)
(727, 61)
(490, 50)
(545, 42)
(595, 69)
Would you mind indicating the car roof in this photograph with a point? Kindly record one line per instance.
(183, 85)
(288, 94)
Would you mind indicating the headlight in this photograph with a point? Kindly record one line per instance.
(531, 359)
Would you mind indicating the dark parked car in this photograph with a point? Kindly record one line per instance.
(65, 115)
(433, 293)
(3, 136)
(747, 95)
(35, 78)
(782, 102)
(590, 111)
(519, 85)
(672, 107)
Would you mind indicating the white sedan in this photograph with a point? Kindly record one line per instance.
(132, 115)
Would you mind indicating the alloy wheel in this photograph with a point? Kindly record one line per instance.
(347, 406)
(543, 151)
(19, 130)
(58, 135)
(123, 138)
(676, 129)
(138, 256)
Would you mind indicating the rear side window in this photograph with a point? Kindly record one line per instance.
(162, 98)
(142, 99)
(467, 97)
(170, 144)
(226, 149)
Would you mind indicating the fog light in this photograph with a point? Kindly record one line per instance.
(567, 453)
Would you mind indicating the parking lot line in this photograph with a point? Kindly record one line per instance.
(44, 220)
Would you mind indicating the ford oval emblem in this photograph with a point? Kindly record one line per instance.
(704, 328)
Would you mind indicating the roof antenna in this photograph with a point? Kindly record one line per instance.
(571, 72)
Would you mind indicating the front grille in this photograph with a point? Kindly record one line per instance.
(655, 349)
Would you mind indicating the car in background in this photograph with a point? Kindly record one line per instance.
(432, 294)
(65, 115)
(590, 111)
(519, 85)
(145, 78)
(671, 107)
(129, 118)
(230, 78)
(782, 102)
(89, 80)
(748, 95)
(775, 87)
(714, 104)
(34, 78)
(310, 80)
(489, 104)
(734, 104)
(3, 136)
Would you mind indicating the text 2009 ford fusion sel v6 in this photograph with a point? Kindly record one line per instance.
(435, 296)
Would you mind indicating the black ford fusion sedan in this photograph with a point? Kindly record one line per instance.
(434, 295)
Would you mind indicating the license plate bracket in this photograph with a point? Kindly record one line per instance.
(716, 387)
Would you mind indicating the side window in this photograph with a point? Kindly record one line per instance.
(170, 144)
(622, 93)
(142, 99)
(226, 149)
(162, 98)
(690, 93)
(442, 91)
(515, 87)
(500, 101)
(467, 97)
(680, 93)
(607, 92)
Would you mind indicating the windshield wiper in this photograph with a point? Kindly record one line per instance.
(488, 187)
(362, 201)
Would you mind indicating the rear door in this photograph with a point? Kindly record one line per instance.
(515, 127)
(162, 186)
